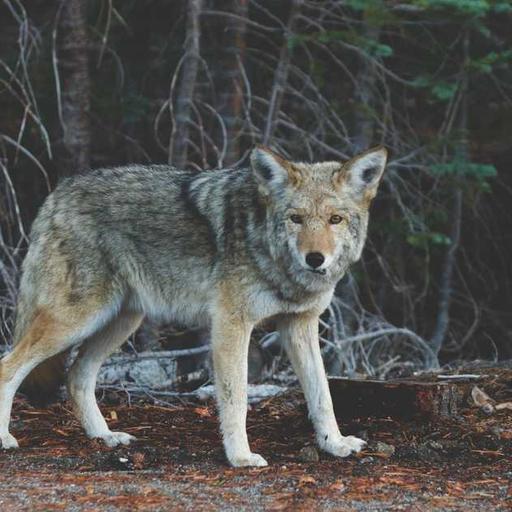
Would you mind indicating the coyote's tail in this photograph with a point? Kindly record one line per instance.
(43, 383)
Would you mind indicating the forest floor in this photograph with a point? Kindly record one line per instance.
(461, 463)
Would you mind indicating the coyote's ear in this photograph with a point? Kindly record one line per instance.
(362, 173)
(272, 170)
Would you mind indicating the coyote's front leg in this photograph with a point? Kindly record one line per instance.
(230, 344)
(299, 334)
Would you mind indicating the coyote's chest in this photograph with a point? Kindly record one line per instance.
(264, 303)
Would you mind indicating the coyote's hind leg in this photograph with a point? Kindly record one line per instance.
(13, 370)
(47, 335)
(83, 373)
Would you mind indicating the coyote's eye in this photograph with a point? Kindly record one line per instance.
(335, 219)
(297, 219)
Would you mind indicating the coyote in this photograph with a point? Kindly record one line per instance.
(224, 249)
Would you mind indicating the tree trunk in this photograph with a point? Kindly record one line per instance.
(364, 94)
(363, 138)
(72, 62)
(446, 280)
(281, 73)
(230, 79)
(178, 144)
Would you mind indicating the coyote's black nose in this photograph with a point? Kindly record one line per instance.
(314, 259)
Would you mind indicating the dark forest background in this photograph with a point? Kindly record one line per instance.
(88, 83)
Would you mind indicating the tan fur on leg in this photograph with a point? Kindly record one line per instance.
(46, 336)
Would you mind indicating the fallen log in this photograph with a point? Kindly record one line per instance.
(398, 398)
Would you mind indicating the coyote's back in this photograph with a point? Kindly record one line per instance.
(111, 236)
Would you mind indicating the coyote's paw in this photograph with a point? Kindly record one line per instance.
(356, 443)
(112, 439)
(342, 446)
(251, 459)
(8, 441)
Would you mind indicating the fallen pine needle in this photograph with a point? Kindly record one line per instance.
(489, 452)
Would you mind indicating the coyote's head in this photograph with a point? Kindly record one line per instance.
(318, 213)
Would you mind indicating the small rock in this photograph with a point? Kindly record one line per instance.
(115, 461)
(385, 449)
(487, 409)
(435, 445)
(425, 452)
(367, 460)
(309, 454)
(496, 431)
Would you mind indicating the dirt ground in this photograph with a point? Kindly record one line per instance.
(464, 463)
